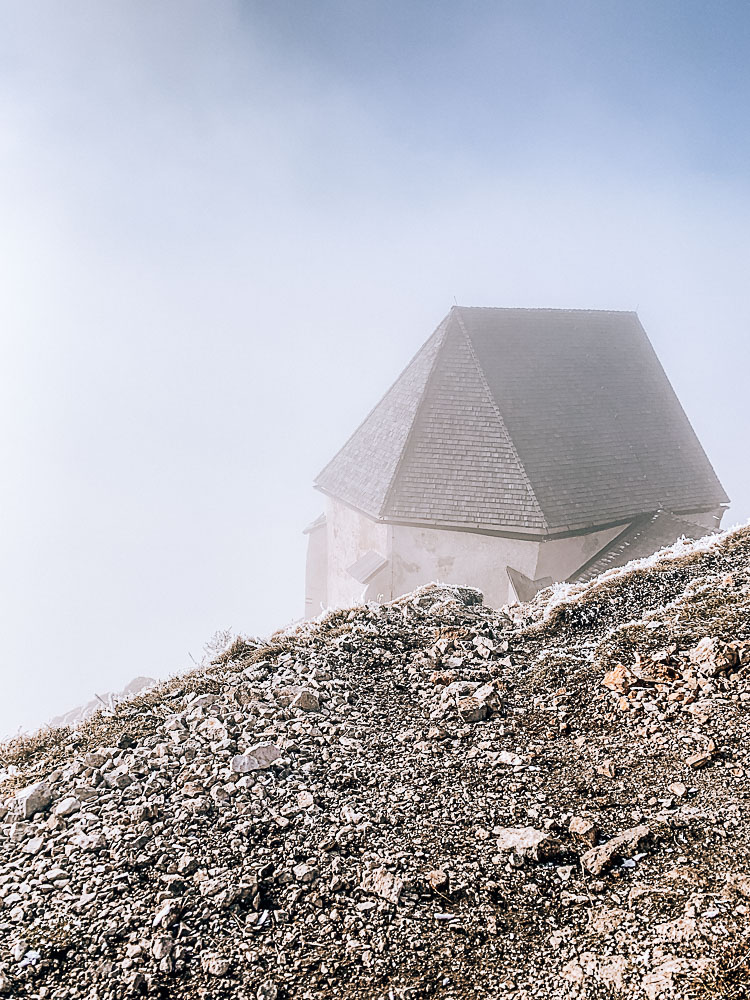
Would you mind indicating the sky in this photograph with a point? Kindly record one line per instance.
(225, 227)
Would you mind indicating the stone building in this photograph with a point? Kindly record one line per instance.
(519, 447)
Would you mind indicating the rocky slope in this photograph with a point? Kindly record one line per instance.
(423, 799)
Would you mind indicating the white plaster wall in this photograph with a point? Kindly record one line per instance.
(417, 556)
(424, 555)
(316, 572)
(561, 557)
(350, 535)
(709, 519)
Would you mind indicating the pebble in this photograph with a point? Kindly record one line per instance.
(257, 758)
(67, 806)
(584, 829)
(215, 964)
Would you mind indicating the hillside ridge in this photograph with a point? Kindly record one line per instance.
(427, 798)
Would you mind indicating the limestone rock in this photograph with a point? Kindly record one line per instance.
(256, 758)
(380, 882)
(714, 657)
(438, 880)
(471, 709)
(215, 964)
(307, 701)
(33, 799)
(584, 829)
(528, 842)
(67, 806)
(161, 946)
(624, 844)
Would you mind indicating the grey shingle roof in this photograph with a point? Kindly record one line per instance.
(459, 466)
(529, 420)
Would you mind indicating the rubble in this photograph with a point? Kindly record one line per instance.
(425, 798)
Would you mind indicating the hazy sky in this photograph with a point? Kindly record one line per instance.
(226, 226)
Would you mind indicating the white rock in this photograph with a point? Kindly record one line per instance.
(264, 753)
(527, 842)
(166, 914)
(627, 842)
(214, 964)
(381, 882)
(33, 846)
(305, 873)
(485, 692)
(33, 799)
(713, 657)
(67, 806)
(256, 758)
(472, 709)
(161, 946)
(583, 828)
(457, 689)
(351, 816)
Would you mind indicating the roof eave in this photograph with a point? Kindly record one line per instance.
(531, 533)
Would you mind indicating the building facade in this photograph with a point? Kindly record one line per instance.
(519, 447)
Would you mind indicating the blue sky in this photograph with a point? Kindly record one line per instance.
(227, 227)
(504, 78)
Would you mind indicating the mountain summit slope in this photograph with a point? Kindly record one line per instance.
(422, 799)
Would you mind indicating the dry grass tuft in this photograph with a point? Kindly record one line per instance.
(728, 978)
(22, 750)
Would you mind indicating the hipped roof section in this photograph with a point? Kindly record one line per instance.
(530, 421)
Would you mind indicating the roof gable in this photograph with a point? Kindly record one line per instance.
(459, 466)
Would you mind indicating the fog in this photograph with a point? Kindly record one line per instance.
(226, 227)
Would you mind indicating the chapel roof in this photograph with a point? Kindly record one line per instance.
(529, 421)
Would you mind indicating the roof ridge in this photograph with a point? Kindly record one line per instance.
(496, 408)
(445, 324)
(540, 309)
